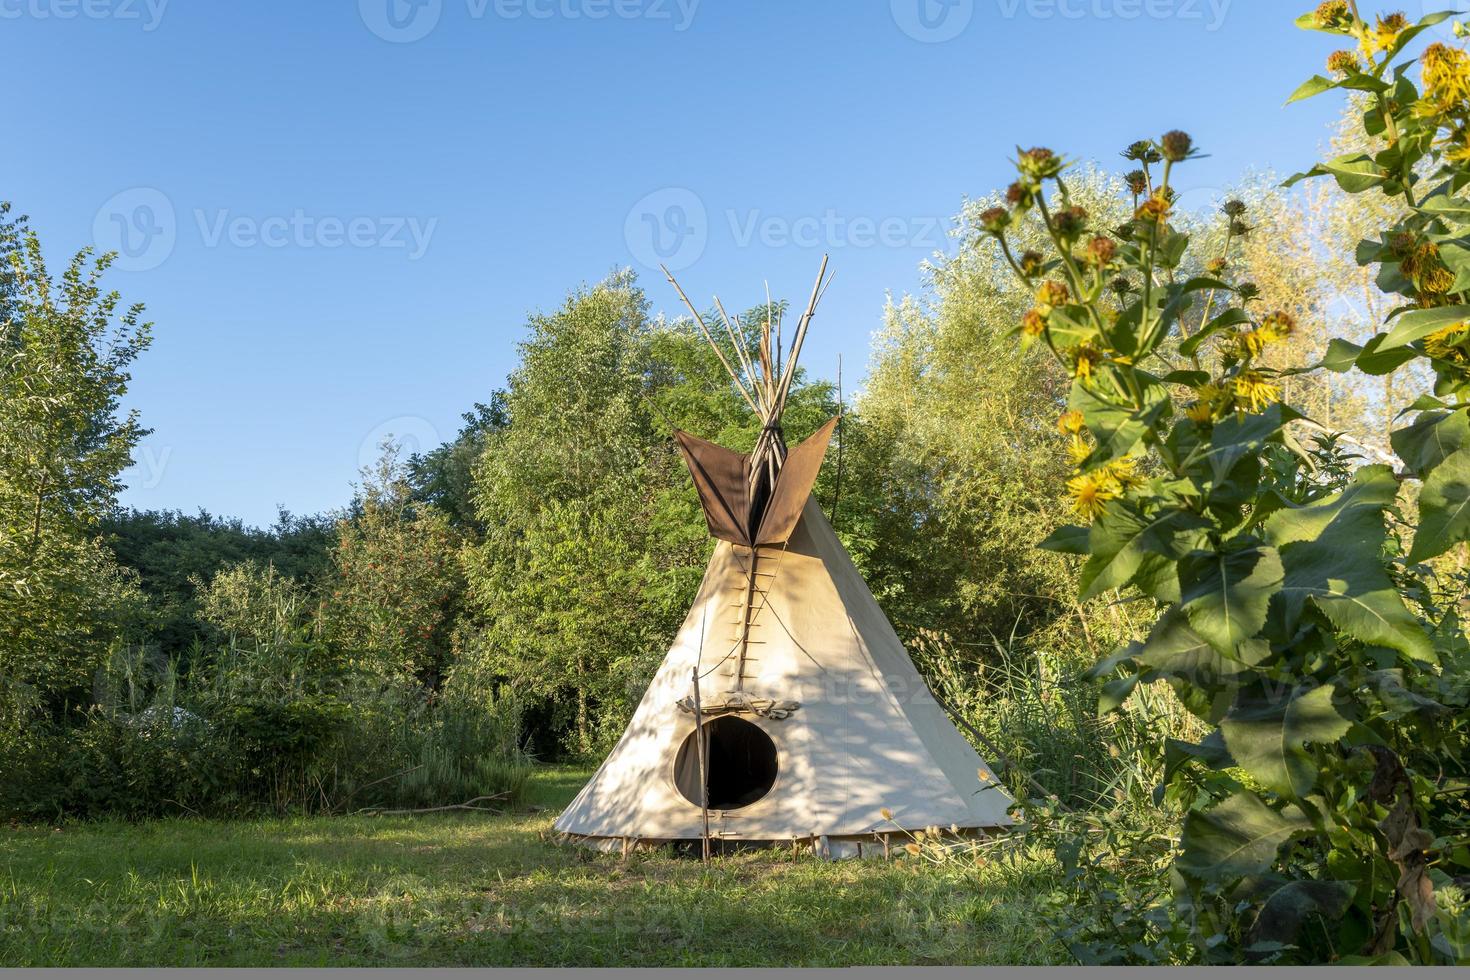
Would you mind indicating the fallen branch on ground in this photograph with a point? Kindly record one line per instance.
(466, 805)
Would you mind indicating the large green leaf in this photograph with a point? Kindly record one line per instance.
(1240, 434)
(1123, 536)
(1175, 651)
(1226, 594)
(1118, 429)
(1238, 837)
(1418, 324)
(1355, 514)
(1430, 439)
(1354, 593)
(1268, 737)
(1315, 85)
(1444, 508)
(1332, 555)
(1285, 907)
(1343, 356)
(1069, 539)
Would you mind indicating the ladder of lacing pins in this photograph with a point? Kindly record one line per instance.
(751, 600)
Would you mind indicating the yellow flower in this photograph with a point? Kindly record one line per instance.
(1033, 324)
(1253, 391)
(1124, 473)
(1445, 71)
(886, 813)
(1251, 342)
(1445, 344)
(1078, 450)
(1070, 423)
(1200, 412)
(1277, 326)
(1052, 294)
(1156, 208)
(1388, 30)
(1090, 493)
(1086, 359)
(913, 849)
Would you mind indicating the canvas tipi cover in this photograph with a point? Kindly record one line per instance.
(815, 720)
(866, 733)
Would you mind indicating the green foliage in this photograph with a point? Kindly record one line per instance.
(65, 349)
(396, 586)
(1322, 808)
(172, 552)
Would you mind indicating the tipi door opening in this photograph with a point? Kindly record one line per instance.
(740, 765)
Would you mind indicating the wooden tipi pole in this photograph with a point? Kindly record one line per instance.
(703, 778)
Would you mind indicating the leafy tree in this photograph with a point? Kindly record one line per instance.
(171, 551)
(63, 370)
(445, 476)
(397, 587)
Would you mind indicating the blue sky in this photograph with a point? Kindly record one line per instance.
(339, 212)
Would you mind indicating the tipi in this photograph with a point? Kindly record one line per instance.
(787, 708)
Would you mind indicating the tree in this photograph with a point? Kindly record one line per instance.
(396, 586)
(63, 370)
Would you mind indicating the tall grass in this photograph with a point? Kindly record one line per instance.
(260, 726)
(1028, 698)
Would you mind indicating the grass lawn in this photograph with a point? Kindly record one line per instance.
(471, 889)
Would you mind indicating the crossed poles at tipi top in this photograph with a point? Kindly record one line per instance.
(764, 384)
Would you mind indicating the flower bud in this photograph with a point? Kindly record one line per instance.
(1137, 182)
(1070, 223)
(1031, 263)
(1333, 15)
(995, 220)
(1121, 286)
(1033, 323)
(1070, 423)
(1053, 294)
(1177, 145)
(1142, 151)
(1020, 196)
(1101, 250)
(1233, 208)
(1342, 62)
(1247, 291)
(1039, 163)
(1216, 267)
